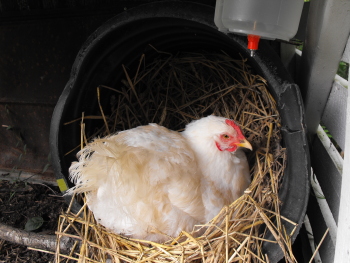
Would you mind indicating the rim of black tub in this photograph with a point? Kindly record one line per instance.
(174, 25)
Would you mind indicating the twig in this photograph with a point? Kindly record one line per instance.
(319, 245)
(31, 239)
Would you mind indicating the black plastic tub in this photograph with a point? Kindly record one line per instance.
(178, 26)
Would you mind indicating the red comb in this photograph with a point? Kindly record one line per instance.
(231, 123)
(236, 127)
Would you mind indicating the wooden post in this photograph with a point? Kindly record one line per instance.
(342, 249)
(326, 35)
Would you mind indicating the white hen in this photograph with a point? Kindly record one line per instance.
(150, 182)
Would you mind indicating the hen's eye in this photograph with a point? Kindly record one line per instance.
(225, 136)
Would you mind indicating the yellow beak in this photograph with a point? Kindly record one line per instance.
(244, 143)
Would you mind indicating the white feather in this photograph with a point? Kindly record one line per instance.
(225, 175)
(149, 180)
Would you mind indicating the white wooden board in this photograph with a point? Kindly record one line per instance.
(327, 176)
(346, 57)
(334, 115)
(342, 251)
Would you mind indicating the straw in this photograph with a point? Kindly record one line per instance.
(171, 90)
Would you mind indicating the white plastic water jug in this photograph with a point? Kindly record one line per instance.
(269, 19)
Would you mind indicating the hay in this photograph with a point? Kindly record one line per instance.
(171, 90)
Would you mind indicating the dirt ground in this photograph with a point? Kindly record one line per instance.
(20, 201)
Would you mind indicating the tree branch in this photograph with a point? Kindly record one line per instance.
(35, 240)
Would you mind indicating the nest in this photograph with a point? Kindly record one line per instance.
(172, 90)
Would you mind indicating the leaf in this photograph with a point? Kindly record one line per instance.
(34, 223)
(49, 157)
(12, 195)
(320, 196)
(46, 167)
(20, 157)
(326, 131)
(343, 69)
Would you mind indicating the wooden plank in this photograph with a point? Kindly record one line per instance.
(341, 81)
(324, 207)
(326, 211)
(334, 115)
(311, 238)
(342, 253)
(301, 248)
(319, 227)
(327, 174)
(331, 149)
(346, 54)
(327, 34)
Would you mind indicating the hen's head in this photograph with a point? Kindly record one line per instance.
(221, 133)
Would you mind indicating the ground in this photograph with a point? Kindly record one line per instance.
(20, 201)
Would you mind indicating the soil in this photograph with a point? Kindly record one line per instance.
(20, 201)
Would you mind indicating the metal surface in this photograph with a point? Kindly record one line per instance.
(327, 33)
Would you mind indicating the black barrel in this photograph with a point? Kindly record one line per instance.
(174, 26)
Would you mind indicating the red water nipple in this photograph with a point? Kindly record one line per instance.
(253, 43)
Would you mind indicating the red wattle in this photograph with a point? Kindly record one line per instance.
(218, 146)
(231, 149)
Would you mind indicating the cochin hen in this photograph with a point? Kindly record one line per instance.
(151, 183)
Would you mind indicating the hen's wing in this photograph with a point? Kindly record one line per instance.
(141, 181)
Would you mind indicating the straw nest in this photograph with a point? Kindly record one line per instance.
(172, 90)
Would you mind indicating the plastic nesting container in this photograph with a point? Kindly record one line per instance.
(269, 19)
(177, 26)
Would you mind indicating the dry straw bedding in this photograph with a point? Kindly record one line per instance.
(172, 90)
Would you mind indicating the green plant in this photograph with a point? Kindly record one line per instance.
(343, 70)
(12, 195)
(327, 131)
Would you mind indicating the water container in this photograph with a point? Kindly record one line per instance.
(269, 19)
